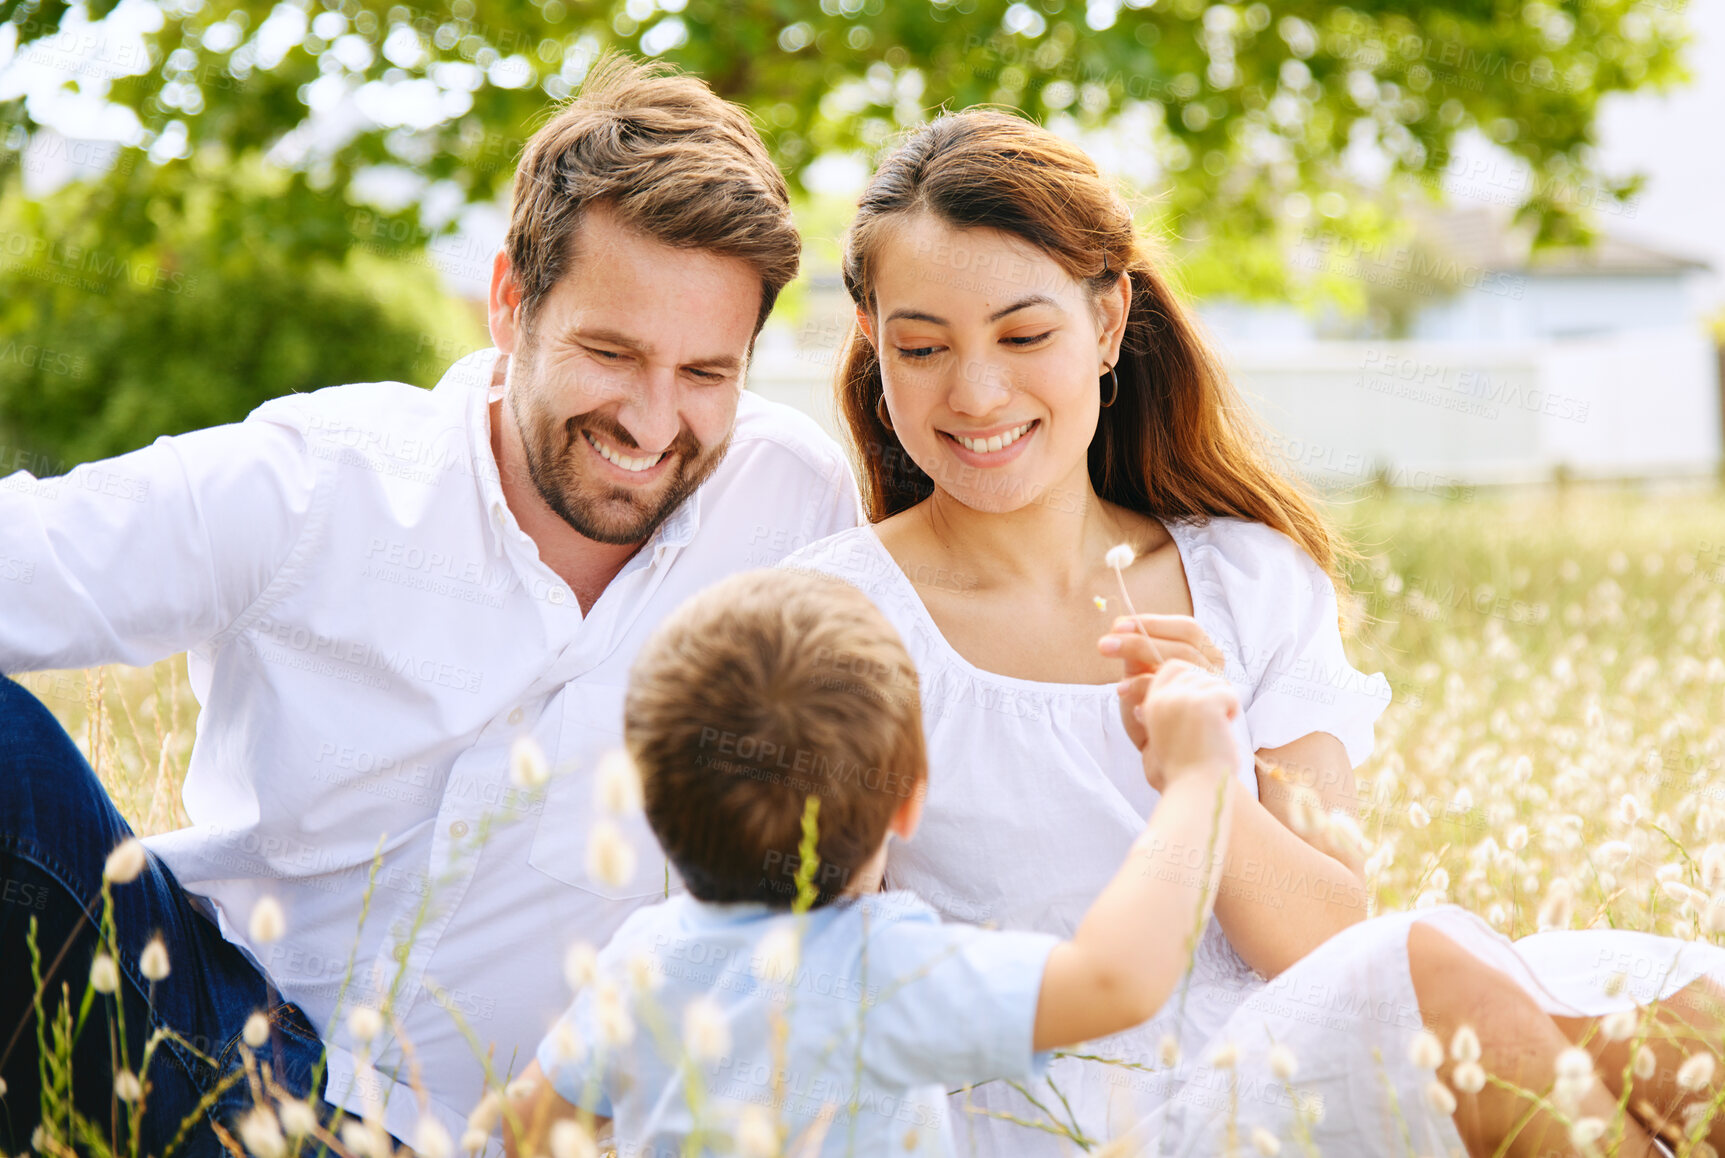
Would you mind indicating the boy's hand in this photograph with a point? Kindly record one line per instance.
(1143, 644)
(1185, 718)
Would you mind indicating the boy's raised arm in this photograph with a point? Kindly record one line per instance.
(1136, 941)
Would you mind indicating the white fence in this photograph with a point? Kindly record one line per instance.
(1434, 415)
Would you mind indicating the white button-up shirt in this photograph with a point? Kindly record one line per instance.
(369, 631)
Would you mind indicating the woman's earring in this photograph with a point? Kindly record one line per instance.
(1115, 394)
(880, 412)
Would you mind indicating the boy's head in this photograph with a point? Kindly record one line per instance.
(763, 690)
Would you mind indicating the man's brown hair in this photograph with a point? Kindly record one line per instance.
(766, 689)
(672, 159)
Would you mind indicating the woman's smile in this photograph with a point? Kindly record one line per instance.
(992, 446)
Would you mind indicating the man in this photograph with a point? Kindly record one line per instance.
(410, 616)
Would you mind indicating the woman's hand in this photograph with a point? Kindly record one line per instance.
(1186, 714)
(1162, 638)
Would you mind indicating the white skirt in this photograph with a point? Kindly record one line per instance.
(1348, 1012)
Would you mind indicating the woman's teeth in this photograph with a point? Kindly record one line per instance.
(629, 464)
(998, 442)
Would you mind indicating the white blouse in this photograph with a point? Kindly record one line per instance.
(1036, 792)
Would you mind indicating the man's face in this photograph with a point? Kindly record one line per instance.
(624, 385)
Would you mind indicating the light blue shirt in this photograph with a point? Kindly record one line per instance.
(887, 1011)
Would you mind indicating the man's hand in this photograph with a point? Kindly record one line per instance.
(1185, 716)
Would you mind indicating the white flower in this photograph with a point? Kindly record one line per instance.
(1555, 910)
(1696, 1071)
(1265, 1142)
(757, 1137)
(1517, 838)
(569, 1139)
(528, 768)
(432, 1140)
(644, 973)
(267, 923)
(104, 974)
(1120, 557)
(127, 1087)
(1713, 916)
(1426, 1051)
(568, 1043)
(615, 1024)
(1586, 1131)
(706, 1030)
(1629, 809)
(257, 1031)
(484, 1116)
(364, 1023)
(1283, 1063)
(1713, 868)
(610, 859)
(1574, 1076)
(580, 965)
(1468, 1077)
(1168, 1051)
(1645, 1062)
(1225, 1056)
(261, 1134)
(618, 784)
(125, 863)
(1439, 1098)
(777, 955)
(1100, 603)
(366, 1140)
(1620, 1025)
(1522, 770)
(1613, 854)
(297, 1117)
(1418, 816)
(1675, 891)
(473, 1141)
(153, 961)
(1464, 1047)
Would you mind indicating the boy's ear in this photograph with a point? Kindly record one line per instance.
(908, 814)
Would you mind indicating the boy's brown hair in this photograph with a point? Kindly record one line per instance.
(671, 158)
(765, 689)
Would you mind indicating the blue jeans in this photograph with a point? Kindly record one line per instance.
(57, 826)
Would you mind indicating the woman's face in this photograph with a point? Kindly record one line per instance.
(991, 355)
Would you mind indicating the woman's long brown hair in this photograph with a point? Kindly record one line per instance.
(1179, 443)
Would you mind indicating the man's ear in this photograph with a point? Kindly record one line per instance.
(503, 305)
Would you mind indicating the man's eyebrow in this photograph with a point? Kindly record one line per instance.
(1024, 303)
(726, 362)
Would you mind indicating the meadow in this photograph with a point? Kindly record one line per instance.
(1552, 755)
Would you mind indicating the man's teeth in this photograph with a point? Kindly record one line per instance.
(631, 464)
(998, 442)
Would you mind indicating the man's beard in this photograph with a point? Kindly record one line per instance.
(557, 462)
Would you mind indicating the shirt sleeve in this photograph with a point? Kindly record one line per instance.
(567, 1058)
(1291, 667)
(132, 559)
(952, 1004)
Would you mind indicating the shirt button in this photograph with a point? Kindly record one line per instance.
(515, 716)
(458, 829)
(557, 595)
(400, 953)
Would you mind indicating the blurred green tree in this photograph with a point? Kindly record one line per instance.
(1258, 118)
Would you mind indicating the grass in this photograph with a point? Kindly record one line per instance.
(1551, 756)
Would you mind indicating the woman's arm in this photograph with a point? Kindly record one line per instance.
(1285, 892)
(1136, 941)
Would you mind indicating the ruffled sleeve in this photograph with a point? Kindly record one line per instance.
(1285, 656)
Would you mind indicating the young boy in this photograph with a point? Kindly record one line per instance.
(723, 1020)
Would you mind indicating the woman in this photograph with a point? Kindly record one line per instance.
(1024, 392)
